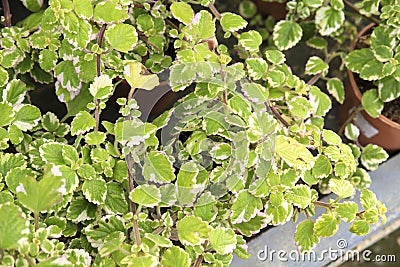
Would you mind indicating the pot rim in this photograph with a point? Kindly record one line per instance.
(356, 89)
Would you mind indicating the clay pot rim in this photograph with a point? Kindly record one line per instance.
(354, 85)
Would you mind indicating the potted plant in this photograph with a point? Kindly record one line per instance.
(376, 92)
(245, 149)
(318, 25)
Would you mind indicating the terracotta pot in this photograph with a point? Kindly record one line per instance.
(380, 131)
(276, 10)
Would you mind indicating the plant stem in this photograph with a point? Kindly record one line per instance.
(356, 9)
(349, 119)
(279, 116)
(307, 214)
(200, 258)
(98, 68)
(129, 163)
(198, 262)
(7, 14)
(322, 204)
(214, 11)
(100, 44)
(36, 221)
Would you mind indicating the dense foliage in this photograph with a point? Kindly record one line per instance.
(246, 148)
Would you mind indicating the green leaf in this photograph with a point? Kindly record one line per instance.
(299, 195)
(102, 87)
(257, 67)
(320, 101)
(231, 22)
(336, 89)
(250, 40)
(83, 8)
(52, 153)
(7, 113)
(383, 53)
(140, 261)
(3, 77)
(192, 231)
(50, 122)
(39, 196)
(368, 199)
(133, 73)
(145, 22)
(245, 206)
(13, 226)
(317, 43)
(373, 155)
(182, 12)
(280, 214)
(372, 70)
(371, 102)
(16, 135)
(81, 210)
(122, 37)
(316, 65)
(388, 89)
(48, 59)
(67, 76)
(158, 168)
(159, 240)
(112, 243)
(175, 256)
(82, 123)
(276, 57)
(115, 200)
(108, 225)
(360, 227)
(221, 151)
(253, 226)
(293, 153)
(255, 92)
(328, 20)
(371, 215)
(342, 188)
(33, 5)
(331, 137)
(326, 225)
(322, 167)
(223, 240)
(305, 237)
(347, 210)
(357, 59)
(286, 34)
(202, 26)
(14, 175)
(146, 195)
(109, 12)
(79, 103)
(299, 107)
(14, 93)
(95, 138)
(351, 132)
(10, 161)
(27, 117)
(95, 190)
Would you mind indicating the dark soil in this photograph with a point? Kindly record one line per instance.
(391, 110)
